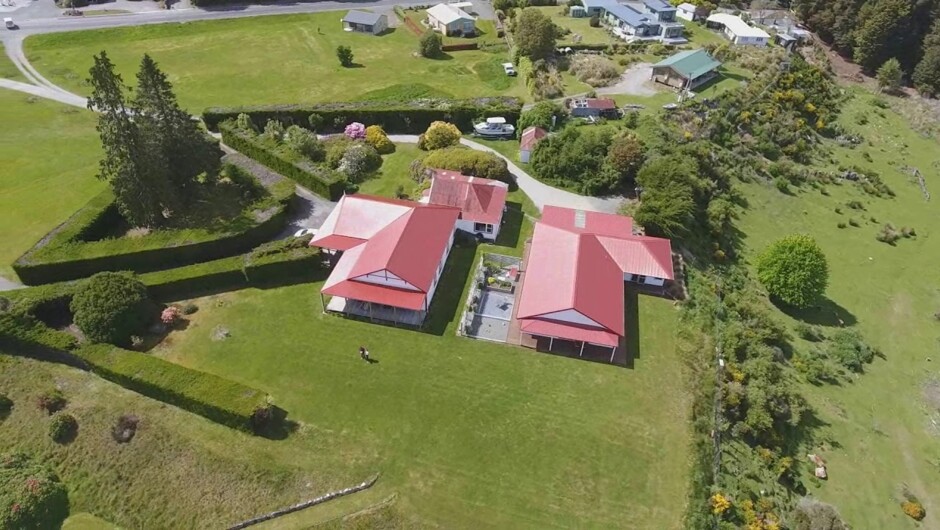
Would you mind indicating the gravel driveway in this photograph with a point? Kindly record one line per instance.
(634, 82)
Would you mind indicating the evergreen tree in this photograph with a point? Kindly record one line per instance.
(881, 33)
(926, 75)
(135, 171)
(890, 75)
(534, 34)
(186, 151)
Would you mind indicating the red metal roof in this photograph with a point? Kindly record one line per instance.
(574, 278)
(480, 200)
(600, 103)
(408, 246)
(530, 137)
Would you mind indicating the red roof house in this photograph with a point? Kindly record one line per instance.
(592, 107)
(481, 201)
(392, 255)
(530, 137)
(577, 264)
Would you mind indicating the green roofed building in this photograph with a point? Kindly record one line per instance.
(686, 70)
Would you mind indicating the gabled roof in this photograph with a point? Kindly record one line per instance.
(446, 13)
(480, 200)
(530, 137)
(362, 17)
(627, 14)
(573, 285)
(399, 239)
(737, 25)
(602, 4)
(658, 5)
(690, 64)
(687, 7)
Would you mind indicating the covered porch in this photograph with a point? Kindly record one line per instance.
(580, 349)
(375, 312)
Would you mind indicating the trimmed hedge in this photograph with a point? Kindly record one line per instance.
(35, 271)
(396, 117)
(459, 47)
(210, 396)
(326, 184)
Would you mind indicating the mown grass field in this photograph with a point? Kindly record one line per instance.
(50, 153)
(271, 59)
(885, 425)
(7, 69)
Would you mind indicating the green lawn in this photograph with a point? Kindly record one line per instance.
(271, 59)
(699, 35)
(578, 26)
(50, 154)
(87, 521)
(469, 434)
(886, 429)
(395, 172)
(7, 69)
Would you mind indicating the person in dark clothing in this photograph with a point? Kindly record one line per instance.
(363, 353)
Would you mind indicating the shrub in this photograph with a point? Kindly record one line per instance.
(6, 405)
(782, 185)
(243, 121)
(914, 510)
(539, 115)
(190, 308)
(31, 495)
(888, 234)
(110, 307)
(304, 142)
(430, 44)
(355, 131)
(239, 177)
(850, 350)
(359, 160)
(124, 430)
(720, 504)
(794, 270)
(468, 162)
(63, 427)
(842, 225)
(51, 401)
(595, 21)
(170, 315)
(345, 56)
(376, 137)
(595, 70)
(809, 332)
(438, 136)
(273, 131)
(335, 150)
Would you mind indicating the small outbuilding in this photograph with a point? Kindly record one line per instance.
(530, 137)
(686, 70)
(691, 12)
(449, 19)
(592, 107)
(365, 22)
(577, 11)
(737, 30)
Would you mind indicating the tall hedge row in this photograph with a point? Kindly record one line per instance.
(326, 184)
(33, 269)
(396, 117)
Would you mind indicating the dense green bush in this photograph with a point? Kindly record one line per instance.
(470, 162)
(304, 142)
(540, 115)
(317, 180)
(111, 306)
(574, 158)
(6, 405)
(794, 270)
(51, 401)
(359, 160)
(397, 117)
(376, 137)
(63, 427)
(850, 350)
(31, 496)
(430, 44)
(439, 135)
(65, 254)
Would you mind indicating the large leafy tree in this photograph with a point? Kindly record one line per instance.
(926, 75)
(794, 270)
(575, 158)
(670, 195)
(133, 168)
(879, 36)
(625, 157)
(539, 115)
(534, 34)
(890, 75)
(171, 131)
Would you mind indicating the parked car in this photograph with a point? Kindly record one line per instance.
(509, 69)
(8, 22)
(305, 232)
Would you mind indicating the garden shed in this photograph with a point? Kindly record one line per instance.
(530, 137)
(686, 70)
(365, 22)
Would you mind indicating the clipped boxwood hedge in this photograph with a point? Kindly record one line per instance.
(324, 183)
(396, 117)
(48, 261)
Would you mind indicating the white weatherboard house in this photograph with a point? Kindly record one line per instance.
(450, 20)
(738, 31)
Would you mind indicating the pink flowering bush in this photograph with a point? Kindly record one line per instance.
(355, 131)
(170, 315)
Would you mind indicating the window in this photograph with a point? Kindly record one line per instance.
(483, 227)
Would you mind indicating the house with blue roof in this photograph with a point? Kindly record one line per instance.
(630, 21)
(660, 11)
(597, 7)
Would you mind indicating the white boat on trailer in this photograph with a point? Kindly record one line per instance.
(495, 128)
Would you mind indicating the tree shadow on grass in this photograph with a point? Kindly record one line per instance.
(824, 313)
(279, 427)
(512, 226)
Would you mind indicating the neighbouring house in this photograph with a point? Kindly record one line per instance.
(691, 12)
(573, 287)
(577, 12)
(686, 70)
(785, 40)
(387, 255)
(630, 21)
(530, 137)
(661, 11)
(481, 201)
(450, 20)
(592, 107)
(737, 30)
(597, 7)
(365, 22)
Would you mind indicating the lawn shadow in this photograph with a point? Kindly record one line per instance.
(631, 341)
(825, 313)
(443, 56)
(311, 276)
(279, 427)
(450, 289)
(512, 226)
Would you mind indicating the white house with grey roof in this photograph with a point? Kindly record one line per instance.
(451, 20)
(365, 22)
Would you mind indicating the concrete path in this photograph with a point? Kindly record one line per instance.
(45, 92)
(541, 194)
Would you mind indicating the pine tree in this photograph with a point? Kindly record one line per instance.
(187, 151)
(132, 168)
